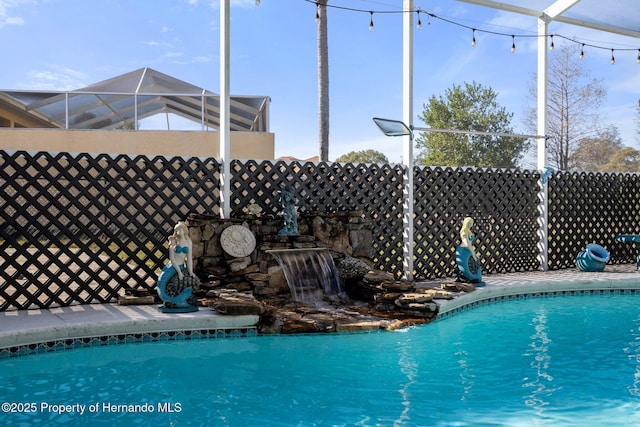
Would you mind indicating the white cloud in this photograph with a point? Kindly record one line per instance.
(58, 78)
(509, 22)
(215, 4)
(202, 59)
(5, 17)
(14, 20)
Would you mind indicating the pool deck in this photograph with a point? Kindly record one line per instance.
(28, 327)
(24, 327)
(502, 286)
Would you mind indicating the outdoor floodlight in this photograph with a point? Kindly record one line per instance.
(393, 127)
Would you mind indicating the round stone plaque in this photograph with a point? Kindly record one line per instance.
(238, 241)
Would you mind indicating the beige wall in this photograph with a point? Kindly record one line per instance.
(244, 145)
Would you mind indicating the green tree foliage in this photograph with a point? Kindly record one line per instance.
(468, 107)
(592, 154)
(626, 159)
(364, 156)
(87, 120)
(127, 126)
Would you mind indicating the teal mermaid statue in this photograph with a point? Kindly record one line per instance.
(469, 268)
(176, 292)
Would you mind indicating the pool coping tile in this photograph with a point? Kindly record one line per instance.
(617, 278)
(100, 324)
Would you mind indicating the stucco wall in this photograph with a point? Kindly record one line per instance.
(244, 145)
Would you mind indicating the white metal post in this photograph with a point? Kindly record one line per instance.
(543, 195)
(225, 111)
(66, 110)
(407, 149)
(203, 111)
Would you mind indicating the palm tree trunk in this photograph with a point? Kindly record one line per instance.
(323, 81)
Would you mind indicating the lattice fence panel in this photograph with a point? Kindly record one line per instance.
(376, 190)
(78, 228)
(592, 208)
(503, 204)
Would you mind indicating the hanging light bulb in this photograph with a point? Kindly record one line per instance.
(473, 37)
(613, 59)
(552, 45)
(513, 43)
(371, 21)
(419, 25)
(317, 13)
(582, 52)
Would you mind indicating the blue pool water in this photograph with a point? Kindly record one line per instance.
(557, 361)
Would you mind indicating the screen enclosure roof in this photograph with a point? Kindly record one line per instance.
(120, 102)
(616, 16)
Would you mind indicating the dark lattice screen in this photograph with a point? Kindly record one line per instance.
(503, 204)
(592, 208)
(77, 228)
(376, 190)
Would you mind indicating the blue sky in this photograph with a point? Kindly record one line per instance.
(68, 44)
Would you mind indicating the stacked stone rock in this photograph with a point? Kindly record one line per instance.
(255, 284)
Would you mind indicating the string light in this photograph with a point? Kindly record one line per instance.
(430, 15)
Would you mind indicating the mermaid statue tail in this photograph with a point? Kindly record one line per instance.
(469, 268)
(180, 300)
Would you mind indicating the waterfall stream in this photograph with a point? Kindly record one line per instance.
(310, 273)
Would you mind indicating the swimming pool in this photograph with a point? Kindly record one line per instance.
(563, 360)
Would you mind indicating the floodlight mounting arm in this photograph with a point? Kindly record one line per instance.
(477, 132)
(398, 128)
